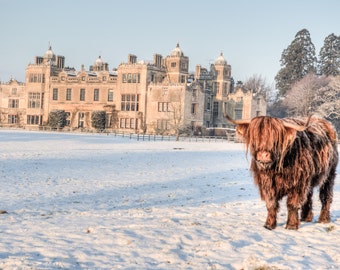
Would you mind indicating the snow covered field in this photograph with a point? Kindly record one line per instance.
(78, 201)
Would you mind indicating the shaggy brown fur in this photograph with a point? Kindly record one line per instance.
(289, 161)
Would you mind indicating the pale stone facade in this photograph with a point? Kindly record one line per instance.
(150, 97)
(246, 104)
(13, 103)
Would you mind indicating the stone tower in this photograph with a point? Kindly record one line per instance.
(177, 66)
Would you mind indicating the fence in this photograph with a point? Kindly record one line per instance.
(153, 137)
(143, 137)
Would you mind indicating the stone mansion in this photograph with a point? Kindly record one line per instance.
(158, 97)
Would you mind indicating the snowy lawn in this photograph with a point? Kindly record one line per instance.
(78, 201)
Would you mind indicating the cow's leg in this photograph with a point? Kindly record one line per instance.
(293, 204)
(326, 197)
(272, 209)
(307, 208)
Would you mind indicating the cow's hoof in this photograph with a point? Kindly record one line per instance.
(324, 220)
(269, 227)
(292, 226)
(307, 218)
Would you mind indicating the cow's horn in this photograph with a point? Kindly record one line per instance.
(236, 122)
(298, 127)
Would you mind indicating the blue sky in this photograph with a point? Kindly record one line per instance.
(251, 34)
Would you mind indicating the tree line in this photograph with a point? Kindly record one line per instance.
(306, 84)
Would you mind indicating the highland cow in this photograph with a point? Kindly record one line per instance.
(289, 157)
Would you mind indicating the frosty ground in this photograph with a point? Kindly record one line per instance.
(85, 201)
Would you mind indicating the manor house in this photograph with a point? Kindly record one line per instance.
(157, 97)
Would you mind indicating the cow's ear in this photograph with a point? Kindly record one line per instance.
(242, 129)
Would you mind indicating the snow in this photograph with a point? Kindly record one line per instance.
(89, 201)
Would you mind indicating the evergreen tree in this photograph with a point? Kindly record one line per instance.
(297, 61)
(329, 57)
(98, 119)
(57, 119)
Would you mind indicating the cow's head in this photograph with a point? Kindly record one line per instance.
(268, 139)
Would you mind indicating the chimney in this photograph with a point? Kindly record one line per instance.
(132, 59)
(198, 72)
(157, 58)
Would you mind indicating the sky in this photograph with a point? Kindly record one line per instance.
(251, 34)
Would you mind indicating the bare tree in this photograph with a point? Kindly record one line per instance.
(327, 100)
(298, 100)
(113, 116)
(142, 122)
(176, 114)
(259, 85)
(74, 117)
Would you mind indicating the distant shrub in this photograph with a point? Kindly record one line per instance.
(57, 119)
(98, 119)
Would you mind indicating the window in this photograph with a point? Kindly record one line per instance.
(81, 119)
(163, 106)
(14, 91)
(217, 87)
(68, 93)
(131, 78)
(183, 66)
(55, 94)
(12, 119)
(123, 103)
(194, 108)
(68, 118)
(82, 94)
(42, 100)
(110, 95)
(83, 78)
(225, 87)
(238, 114)
(173, 64)
(37, 78)
(96, 95)
(33, 119)
(128, 123)
(163, 124)
(130, 102)
(133, 103)
(33, 100)
(13, 103)
(208, 104)
(215, 109)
